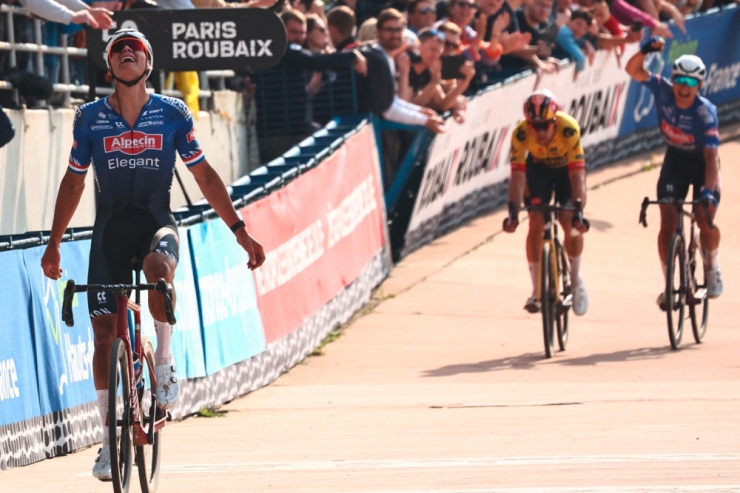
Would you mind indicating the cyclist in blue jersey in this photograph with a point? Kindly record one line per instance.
(130, 140)
(689, 126)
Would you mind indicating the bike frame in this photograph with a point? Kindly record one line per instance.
(143, 434)
(691, 298)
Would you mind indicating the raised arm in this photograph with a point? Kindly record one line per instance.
(635, 66)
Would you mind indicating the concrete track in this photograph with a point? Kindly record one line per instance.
(444, 388)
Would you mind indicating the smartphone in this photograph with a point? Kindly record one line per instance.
(414, 56)
(636, 26)
(451, 66)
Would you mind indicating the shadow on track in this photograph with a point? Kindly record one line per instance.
(528, 361)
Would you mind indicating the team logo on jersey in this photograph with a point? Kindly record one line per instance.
(133, 143)
(675, 134)
(191, 135)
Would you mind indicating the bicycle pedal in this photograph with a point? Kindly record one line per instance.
(567, 301)
(700, 295)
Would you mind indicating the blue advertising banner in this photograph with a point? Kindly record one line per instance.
(713, 37)
(187, 341)
(232, 326)
(19, 391)
(64, 354)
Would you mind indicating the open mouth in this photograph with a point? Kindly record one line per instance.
(128, 59)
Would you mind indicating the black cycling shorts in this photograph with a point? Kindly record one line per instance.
(120, 244)
(681, 169)
(542, 182)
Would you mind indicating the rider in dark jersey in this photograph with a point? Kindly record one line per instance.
(689, 126)
(130, 139)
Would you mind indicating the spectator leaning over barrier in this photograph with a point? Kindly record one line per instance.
(452, 38)
(424, 78)
(133, 216)
(421, 15)
(613, 35)
(534, 18)
(497, 22)
(390, 44)
(69, 11)
(571, 39)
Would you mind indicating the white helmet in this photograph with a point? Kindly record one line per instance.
(691, 66)
(128, 33)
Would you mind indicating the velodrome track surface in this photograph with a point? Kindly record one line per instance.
(444, 388)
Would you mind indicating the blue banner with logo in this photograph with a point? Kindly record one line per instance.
(232, 326)
(715, 38)
(64, 354)
(187, 341)
(19, 391)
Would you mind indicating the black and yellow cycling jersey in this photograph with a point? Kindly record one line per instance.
(564, 149)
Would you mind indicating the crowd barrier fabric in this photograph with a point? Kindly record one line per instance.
(713, 37)
(63, 354)
(187, 337)
(19, 392)
(232, 327)
(319, 233)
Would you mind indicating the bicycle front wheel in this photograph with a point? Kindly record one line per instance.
(148, 456)
(699, 326)
(119, 418)
(675, 290)
(547, 299)
(563, 307)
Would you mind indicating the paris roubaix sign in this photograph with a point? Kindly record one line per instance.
(239, 39)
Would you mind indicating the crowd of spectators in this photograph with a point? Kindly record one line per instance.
(409, 61)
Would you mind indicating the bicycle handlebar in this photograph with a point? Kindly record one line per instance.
(577, 207)
(69, 291)
(678, 204)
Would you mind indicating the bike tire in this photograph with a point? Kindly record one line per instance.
(547, 300)
(119, 418)
(699, 327)
(564, 287)
(676, 290)
(148, 457)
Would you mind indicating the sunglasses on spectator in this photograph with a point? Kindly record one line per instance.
(541, 126)
(450, 44)
(466, 5)
(425, 10)
(431, 33)
(133, 43)
(685, 80)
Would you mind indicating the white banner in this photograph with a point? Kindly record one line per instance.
(468, 166)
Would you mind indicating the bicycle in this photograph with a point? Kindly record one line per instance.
(133, 415)
(684, 290)
(554, 288)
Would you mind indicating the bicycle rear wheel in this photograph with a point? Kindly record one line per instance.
(699, 326)
(119, 418)
(675, 290)
(564, 303)
(148, 456)
(547, 299)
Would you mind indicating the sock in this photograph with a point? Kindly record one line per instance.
(711, 260)
(575, 270)
(534, 271)
(665, 270)
(103, 409)
(163, 355)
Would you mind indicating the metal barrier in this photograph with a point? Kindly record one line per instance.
(64, 51)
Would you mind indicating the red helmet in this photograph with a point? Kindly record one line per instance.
(541, 106)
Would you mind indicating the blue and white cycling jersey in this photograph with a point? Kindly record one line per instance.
(134, 166)
(692, 129)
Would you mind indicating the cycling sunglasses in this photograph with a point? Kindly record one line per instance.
(685, 80)
(425, 10)
(133, 43)
(540, 126)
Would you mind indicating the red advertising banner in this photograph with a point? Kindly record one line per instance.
(319, 232)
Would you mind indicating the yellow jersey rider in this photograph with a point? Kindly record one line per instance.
(547, 157)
